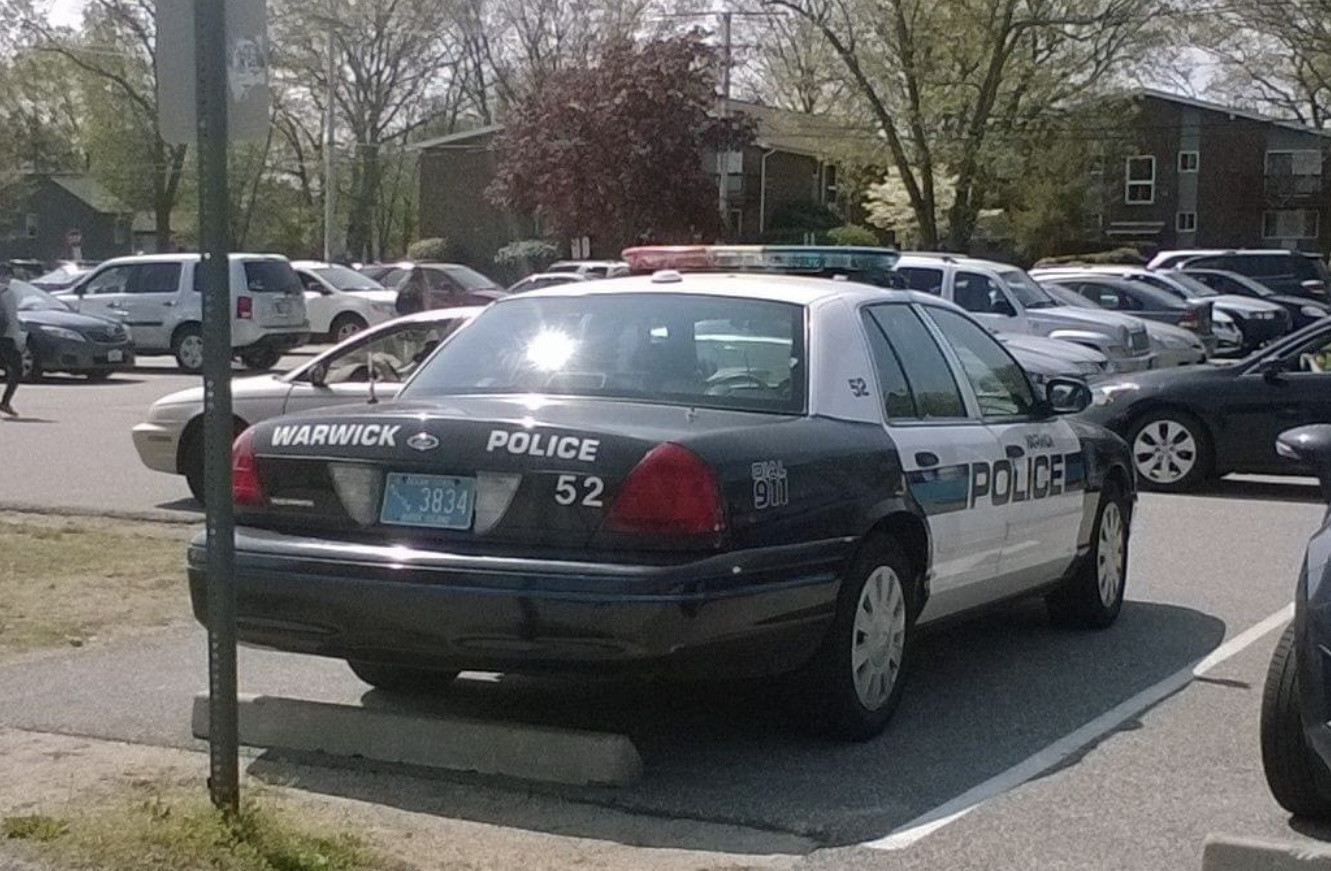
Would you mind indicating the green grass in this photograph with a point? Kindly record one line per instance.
(188, 834)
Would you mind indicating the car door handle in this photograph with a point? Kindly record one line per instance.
(925, 459)
(1289, 412)
(1014, 452)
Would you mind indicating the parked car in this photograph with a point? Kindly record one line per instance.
(546, 279)
(341, 302)
(563, 488)
(171, 439)
(60, 339)
(1296, 700)
(1302, 311)
(1257, 321)
(1139, 300)
(1008, 300)
(449, 283)
(157, 297)
(1188, 426)
(1172, 346)
(1291, 272)
(64, 276)
(1046, 359)
(591, 268)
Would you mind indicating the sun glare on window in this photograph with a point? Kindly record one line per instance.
(550, 350)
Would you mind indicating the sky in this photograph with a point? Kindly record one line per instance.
(66, 12)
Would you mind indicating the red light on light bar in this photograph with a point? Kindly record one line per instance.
(648, 259)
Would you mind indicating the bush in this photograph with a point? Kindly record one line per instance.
(530, 254)
(854, 235)
(804, 217)
(431, 250)
(1116, 257)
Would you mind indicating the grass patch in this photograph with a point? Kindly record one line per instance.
(64, 584)
(35, 827)
(188, 834)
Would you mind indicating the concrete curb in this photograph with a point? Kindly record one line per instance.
(1225, 853)
(170, 517)
(453, 743)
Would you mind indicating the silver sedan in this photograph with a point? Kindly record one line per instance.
(374, 362)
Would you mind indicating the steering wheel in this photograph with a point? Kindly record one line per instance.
(719, 385)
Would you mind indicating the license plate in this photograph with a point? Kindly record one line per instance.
(435, 501)
(282, 307)
(115, 356)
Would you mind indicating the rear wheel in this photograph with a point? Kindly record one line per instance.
(32, 366)
(187, 347)
(1297, 776)
(191, 458)
(1171, 451)
(1093, 597)
(855, 681)
(401, 678)
(345, 326)
(261, 360)
(99, 375)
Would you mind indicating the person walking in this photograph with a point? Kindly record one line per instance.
(413, 295)
(11, 340)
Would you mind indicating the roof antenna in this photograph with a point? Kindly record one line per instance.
(369, 364)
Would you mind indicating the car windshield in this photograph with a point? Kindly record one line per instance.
(1068, 297)
(346, 279)
(1027, 292)
(1194, 288)
(700, 351)
(31, 299)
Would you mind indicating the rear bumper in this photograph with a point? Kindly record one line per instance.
(741, 614)
(158, 446)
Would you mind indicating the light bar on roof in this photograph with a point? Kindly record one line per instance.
(793, 259)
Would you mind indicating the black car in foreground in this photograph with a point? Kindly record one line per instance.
(1296, 703)
(1187, 426)
(63, 340)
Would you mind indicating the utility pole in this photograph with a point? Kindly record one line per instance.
(330, 178)
(723, 149)
(210, 42)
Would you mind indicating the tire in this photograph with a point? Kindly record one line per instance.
(345, 326)
(191, 459)
(1093, 597)
(187, 347)
(261, 360)
(32, 367)
(1298, 778)
(851, 688)
(98, 375)
(401, 678)
(1171, 451)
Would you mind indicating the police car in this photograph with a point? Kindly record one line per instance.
(716, 475)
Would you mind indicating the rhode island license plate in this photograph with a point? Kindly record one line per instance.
(436, 501)
(115, 356)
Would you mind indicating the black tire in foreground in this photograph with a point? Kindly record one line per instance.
(1093, 597)
(854, 683)
(1296, 775)
(401, 678)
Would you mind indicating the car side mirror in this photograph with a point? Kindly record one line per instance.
(1310, 447)
(1067, 396)
(1271, 368)
(318, 375)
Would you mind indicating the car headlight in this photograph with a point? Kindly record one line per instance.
(62, 333)
(1106, 394)
(1312, 311)
(384, 308)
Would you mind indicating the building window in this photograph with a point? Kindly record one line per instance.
(30, 225)
(122, 230)
(1188, 161)
(1139, 189)
(829, 185)
(1294, 173)
(1186, 222)
(737, 222)
(1290, 224)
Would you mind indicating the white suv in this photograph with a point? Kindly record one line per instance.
(157, 297)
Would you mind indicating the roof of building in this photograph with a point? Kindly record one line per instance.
(1230, 111)
(91, 191)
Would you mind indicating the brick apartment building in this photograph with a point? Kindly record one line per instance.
(1194, 174)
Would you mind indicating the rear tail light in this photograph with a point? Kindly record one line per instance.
(245, 307)
(670, 492)
(1192, 319)
(246, 489)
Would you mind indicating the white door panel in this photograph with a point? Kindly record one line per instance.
(1044, 481)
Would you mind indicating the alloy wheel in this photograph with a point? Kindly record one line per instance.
(1165, 451)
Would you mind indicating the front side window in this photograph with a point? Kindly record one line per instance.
(681, 349)
(980, 294)
(113, 280)
(928, 376)
(1139, 185)
(1000, 384)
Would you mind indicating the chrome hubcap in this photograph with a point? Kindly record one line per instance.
(879, 638)
(1165, 451)
(191, 351)
(347, 330)
(1110, 553)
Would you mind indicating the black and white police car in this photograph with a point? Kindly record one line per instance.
(716, 475)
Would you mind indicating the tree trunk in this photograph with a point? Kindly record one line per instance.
(364, 192)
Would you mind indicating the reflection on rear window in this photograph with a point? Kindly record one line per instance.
(709, 352)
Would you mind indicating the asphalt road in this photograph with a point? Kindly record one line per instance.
(72, 448)
(1135, 761)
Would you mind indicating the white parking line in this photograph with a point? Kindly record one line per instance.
(923, 826)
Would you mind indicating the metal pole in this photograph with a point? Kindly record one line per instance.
(214, 230)
(330, 180)
(723, 150)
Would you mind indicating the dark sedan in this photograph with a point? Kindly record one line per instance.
(1143, 301)
(1186, 427)
(1302, 311)
(63, 340)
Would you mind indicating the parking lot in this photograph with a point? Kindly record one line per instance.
(1133, 758)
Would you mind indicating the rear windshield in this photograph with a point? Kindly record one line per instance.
(701, 351)
(271, 276)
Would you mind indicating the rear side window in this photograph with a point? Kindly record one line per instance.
(271, 276)
(470, 279)
(928, 375)
(922, 279)
(680, 349)
(157, 278)
(898, 403)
